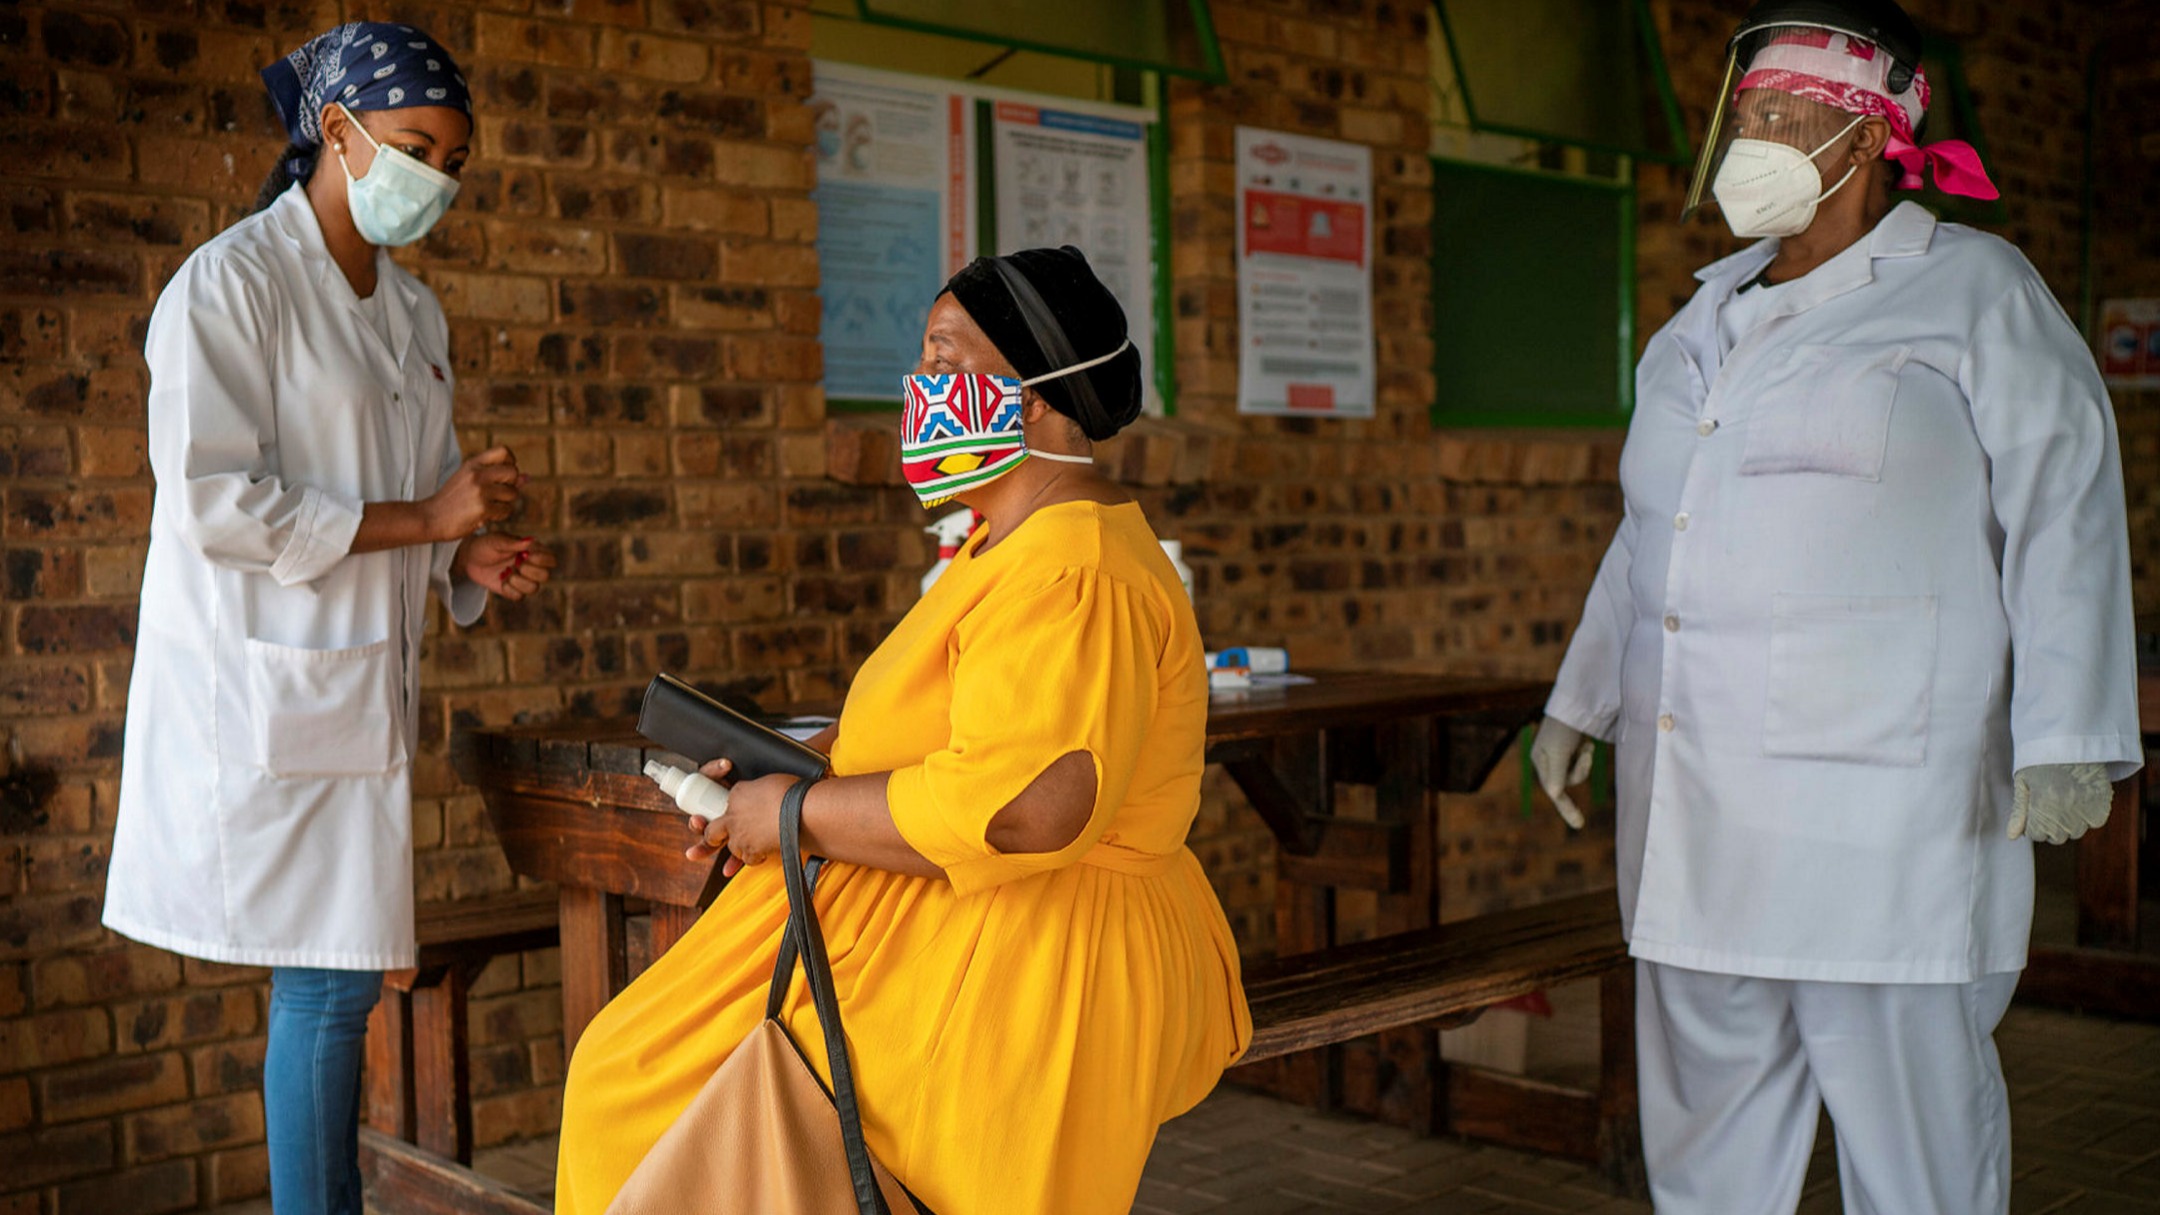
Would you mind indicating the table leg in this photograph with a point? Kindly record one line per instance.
(1410, 1093)
(669, 923)
(2107, 874)
(594, 961)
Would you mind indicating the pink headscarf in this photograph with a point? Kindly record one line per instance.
(1852, 74)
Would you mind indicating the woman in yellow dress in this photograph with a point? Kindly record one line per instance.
(1032, 969)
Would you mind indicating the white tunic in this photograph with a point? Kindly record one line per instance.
(1872, 562)
(265, 801)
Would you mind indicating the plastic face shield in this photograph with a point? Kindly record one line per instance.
(1759, 113)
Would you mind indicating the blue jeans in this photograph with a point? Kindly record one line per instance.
(311, 1087)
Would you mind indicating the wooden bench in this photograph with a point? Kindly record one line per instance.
(419, 1069)
(1444, 976)
(1448, 976)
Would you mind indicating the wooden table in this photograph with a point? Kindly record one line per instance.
(571, 806)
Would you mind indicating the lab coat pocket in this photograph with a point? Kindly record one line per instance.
(1829, 413)
(324, 712)
(1851, 678)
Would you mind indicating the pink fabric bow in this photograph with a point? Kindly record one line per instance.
(1957, 166)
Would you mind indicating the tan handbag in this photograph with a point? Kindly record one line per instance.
(763, 1137)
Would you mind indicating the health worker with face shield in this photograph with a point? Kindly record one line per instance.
(1863, 638)
(310, 493)
(1031, 967)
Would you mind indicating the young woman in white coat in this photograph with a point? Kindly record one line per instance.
(310, 492)
(1864, 636)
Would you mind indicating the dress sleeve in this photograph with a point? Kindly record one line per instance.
(214, 432)
(1039, 674)
(2055, 478)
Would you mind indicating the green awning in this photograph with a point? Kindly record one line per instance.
(1590, 73)
(1173, 36)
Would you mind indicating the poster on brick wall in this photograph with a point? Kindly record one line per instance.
(1066, 177)
(1304, 244)
(896, 217)
(2130, 343)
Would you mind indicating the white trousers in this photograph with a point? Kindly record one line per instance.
(1734, 1070)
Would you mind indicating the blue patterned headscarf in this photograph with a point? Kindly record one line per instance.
(367, 65)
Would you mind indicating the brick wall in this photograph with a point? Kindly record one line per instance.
(630, 278)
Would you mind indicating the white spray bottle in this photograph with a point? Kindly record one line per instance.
(951, 531)
(1175, 550)
(694, 792)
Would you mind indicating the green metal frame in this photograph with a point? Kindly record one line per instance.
(1624, 377)
(1159, 245)
(1203, 27)
(1654, 50)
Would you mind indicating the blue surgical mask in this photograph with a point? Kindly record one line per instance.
(400, 198)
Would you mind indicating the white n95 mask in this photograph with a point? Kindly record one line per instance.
(400, 198)
(1767, 188)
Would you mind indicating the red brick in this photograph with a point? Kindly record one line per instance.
(66, 272)
(56, 1154)
(761, 167)
(668, 257)
(559, 44)
(672, 59)
(14, 1104)
(151, 1190)
(728, 19)
(202, 1016)
(238, 1175)
(31, 926)
(546, 249)
(61, 866)
(194, 1128)
(112, 1086)
(148, 219)
(83, 38)
(95, 978)
(44, 689)
(75, 630)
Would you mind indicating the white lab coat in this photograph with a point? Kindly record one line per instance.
(265, 802)
(1873, 561)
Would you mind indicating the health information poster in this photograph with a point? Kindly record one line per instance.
(896, 217)
(1304, 243)
(1066, 177)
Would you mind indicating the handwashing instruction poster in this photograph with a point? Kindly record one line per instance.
(1067, 177)
(896, 218)
(1304, 243)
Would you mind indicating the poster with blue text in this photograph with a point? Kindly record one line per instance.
(896, 218)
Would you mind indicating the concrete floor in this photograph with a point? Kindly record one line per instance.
(2085, 1112)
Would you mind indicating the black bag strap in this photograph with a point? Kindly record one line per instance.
(804, 936)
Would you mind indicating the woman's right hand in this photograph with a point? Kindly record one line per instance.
(483, 490)
(712, 833)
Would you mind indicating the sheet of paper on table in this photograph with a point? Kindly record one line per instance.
(801, 729)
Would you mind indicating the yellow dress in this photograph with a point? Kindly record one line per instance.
(1020, 1031)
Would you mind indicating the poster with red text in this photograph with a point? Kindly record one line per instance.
(2130, 343)
(1304, 242)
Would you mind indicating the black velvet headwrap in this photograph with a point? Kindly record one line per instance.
(1092, 323)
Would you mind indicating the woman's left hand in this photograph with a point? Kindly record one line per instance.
(510, 566)
(750, 830)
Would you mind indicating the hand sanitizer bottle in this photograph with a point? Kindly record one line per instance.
(694, 792)
(951, 531)
(1175, 550)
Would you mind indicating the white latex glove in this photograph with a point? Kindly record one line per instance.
(1560, 755)
(2054, 803)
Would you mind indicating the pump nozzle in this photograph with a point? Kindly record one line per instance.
(694, 792)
